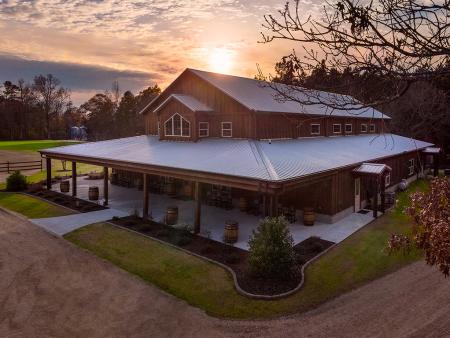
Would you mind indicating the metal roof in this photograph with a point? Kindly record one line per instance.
(191, 102)
(277, 160)
(259, 96)
(372, 168)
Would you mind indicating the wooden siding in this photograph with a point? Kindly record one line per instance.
(246, 123)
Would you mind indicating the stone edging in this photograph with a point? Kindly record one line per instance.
(227, 268)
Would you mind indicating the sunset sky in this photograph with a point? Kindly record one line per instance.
(90, 43)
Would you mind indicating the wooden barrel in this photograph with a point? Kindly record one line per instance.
(243, 205)
(231, 231)
(93, 193)
(171, 215)
(171, 189)
(64, 186)
(308, 216)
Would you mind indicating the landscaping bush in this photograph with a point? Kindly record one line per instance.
(271, 251)
(16, 182)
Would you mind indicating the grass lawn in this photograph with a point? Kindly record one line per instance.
(31, 207)
(355, 261)
(33, 145)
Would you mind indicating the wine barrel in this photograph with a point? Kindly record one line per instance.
(93, 194)
(171, 189)
(64, 186)
(308, 216)
(243, 205)
(231, 231)
(171, 215)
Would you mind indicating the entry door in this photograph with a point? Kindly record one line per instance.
(357, 194)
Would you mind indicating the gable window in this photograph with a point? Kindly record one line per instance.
(387, 180)
(337, 128)
(203, 129)
(315, 129)
(411, 167)
(372, 128)
(363, 128)
(348, 128)
(227, 129)
(177, 126)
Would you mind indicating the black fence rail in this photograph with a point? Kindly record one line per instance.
(24, 165)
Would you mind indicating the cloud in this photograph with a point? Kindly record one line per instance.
(83, 80)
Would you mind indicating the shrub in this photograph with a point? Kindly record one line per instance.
(16, 182)
(271, 251)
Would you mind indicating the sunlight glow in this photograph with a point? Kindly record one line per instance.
(221, 60)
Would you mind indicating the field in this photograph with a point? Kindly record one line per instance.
(33, 145)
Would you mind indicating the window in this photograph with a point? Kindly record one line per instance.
(387, 180)
(203, 129)
(337, 128)
(372, 128)
(363, 128)
(348, 128)
(227, 129)
(177, 126)
(411, 167)
(315, 129)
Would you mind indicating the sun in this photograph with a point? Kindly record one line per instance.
(221, 60)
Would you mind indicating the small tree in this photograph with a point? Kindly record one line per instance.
(430, 211)
(16, 182)
(272, 249)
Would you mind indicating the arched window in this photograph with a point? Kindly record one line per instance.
(177, 126)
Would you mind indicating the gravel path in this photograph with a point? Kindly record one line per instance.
(48, 287)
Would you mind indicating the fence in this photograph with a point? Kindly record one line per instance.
(25, 165)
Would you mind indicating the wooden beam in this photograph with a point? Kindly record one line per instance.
(74, 179)
(375, 200)
(105, 185)
(48, 167)
(383, 193)
(436, 165)
(145, 190)
(198, 206)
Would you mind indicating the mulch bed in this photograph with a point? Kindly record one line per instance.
(233, 257)
(66, 201)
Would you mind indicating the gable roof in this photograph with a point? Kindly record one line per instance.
(259, 96)
(191, 102)
(279, 160)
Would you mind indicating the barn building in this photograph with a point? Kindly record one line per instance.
(229, 142)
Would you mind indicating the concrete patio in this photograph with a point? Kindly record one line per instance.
(129, 201)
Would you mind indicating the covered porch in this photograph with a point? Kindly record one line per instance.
(213, 218)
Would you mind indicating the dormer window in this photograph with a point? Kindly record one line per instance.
(177, 126)
(203, 129)
(348, 128)
(337, 128)
(315, 129)
(227, 129)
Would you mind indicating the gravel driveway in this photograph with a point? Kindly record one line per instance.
(48, 287)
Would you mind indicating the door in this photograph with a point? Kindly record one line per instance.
(357, 194)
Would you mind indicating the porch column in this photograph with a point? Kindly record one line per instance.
(436, 165)
(198, 205)
(264, 205)
(145, 190)
(105, 185)
(271, 206)
(383, 192)
(375, 200)
(74, 179)
(275, 205)
(48, 166)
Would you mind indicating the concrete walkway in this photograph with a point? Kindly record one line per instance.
(65, 224)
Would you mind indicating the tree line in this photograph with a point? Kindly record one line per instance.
(43, 109)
